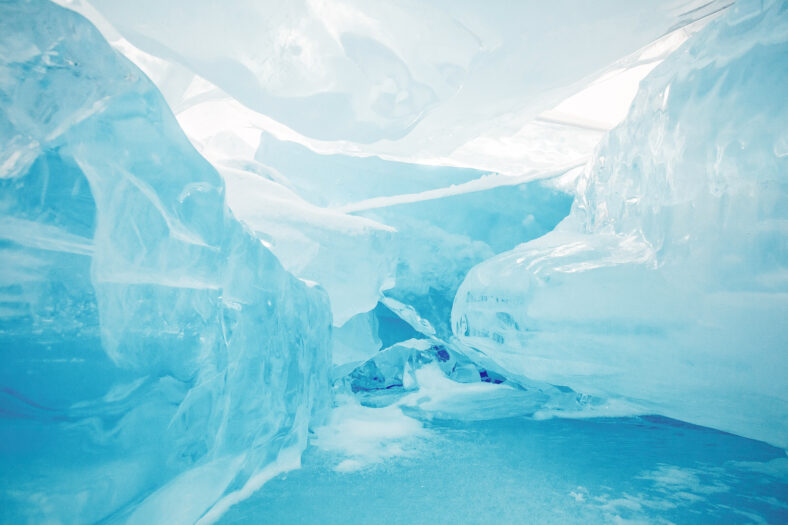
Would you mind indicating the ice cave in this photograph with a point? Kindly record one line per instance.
(393, 261)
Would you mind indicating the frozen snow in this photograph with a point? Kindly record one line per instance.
(365, 436)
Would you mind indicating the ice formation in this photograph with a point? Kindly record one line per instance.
(423, 235)
(397, 72)
(385, 209)
(667, 282)
(439, 82)
(154, 351)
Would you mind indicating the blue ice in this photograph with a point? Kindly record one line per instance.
(328, 262)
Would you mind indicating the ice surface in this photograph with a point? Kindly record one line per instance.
(365, 436)
(430, 379)
(493, 137)
(351, 257)
(157, 357)
(439, 214)
(394, 367)
(666, 285)
(436, 74)
(363, 226)
(166, 317)
(634, 470)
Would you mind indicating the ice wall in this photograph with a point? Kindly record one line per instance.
(352, 258)
(666, 285)
(310, 200)
(157, 357)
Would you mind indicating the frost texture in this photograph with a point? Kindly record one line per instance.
(157, 357)
(667, 284)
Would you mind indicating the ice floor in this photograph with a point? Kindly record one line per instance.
(633, 470)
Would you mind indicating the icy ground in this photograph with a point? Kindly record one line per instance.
(635, 470)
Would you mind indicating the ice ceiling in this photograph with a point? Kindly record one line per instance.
(225, 224)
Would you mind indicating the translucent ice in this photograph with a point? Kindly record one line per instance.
(366, 226)
(169, 285)
(157, 357)
(667, 284)
(362, 226)
(431, 379)
(423, 78)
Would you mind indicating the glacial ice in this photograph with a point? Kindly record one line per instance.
(324, 240)
(666, 285)
(430, 77)
(374, 223)
(157, 357)
(364, 226)
(343, 80)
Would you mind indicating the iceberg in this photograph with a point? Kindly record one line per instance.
(158, 359)
(666, 284)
